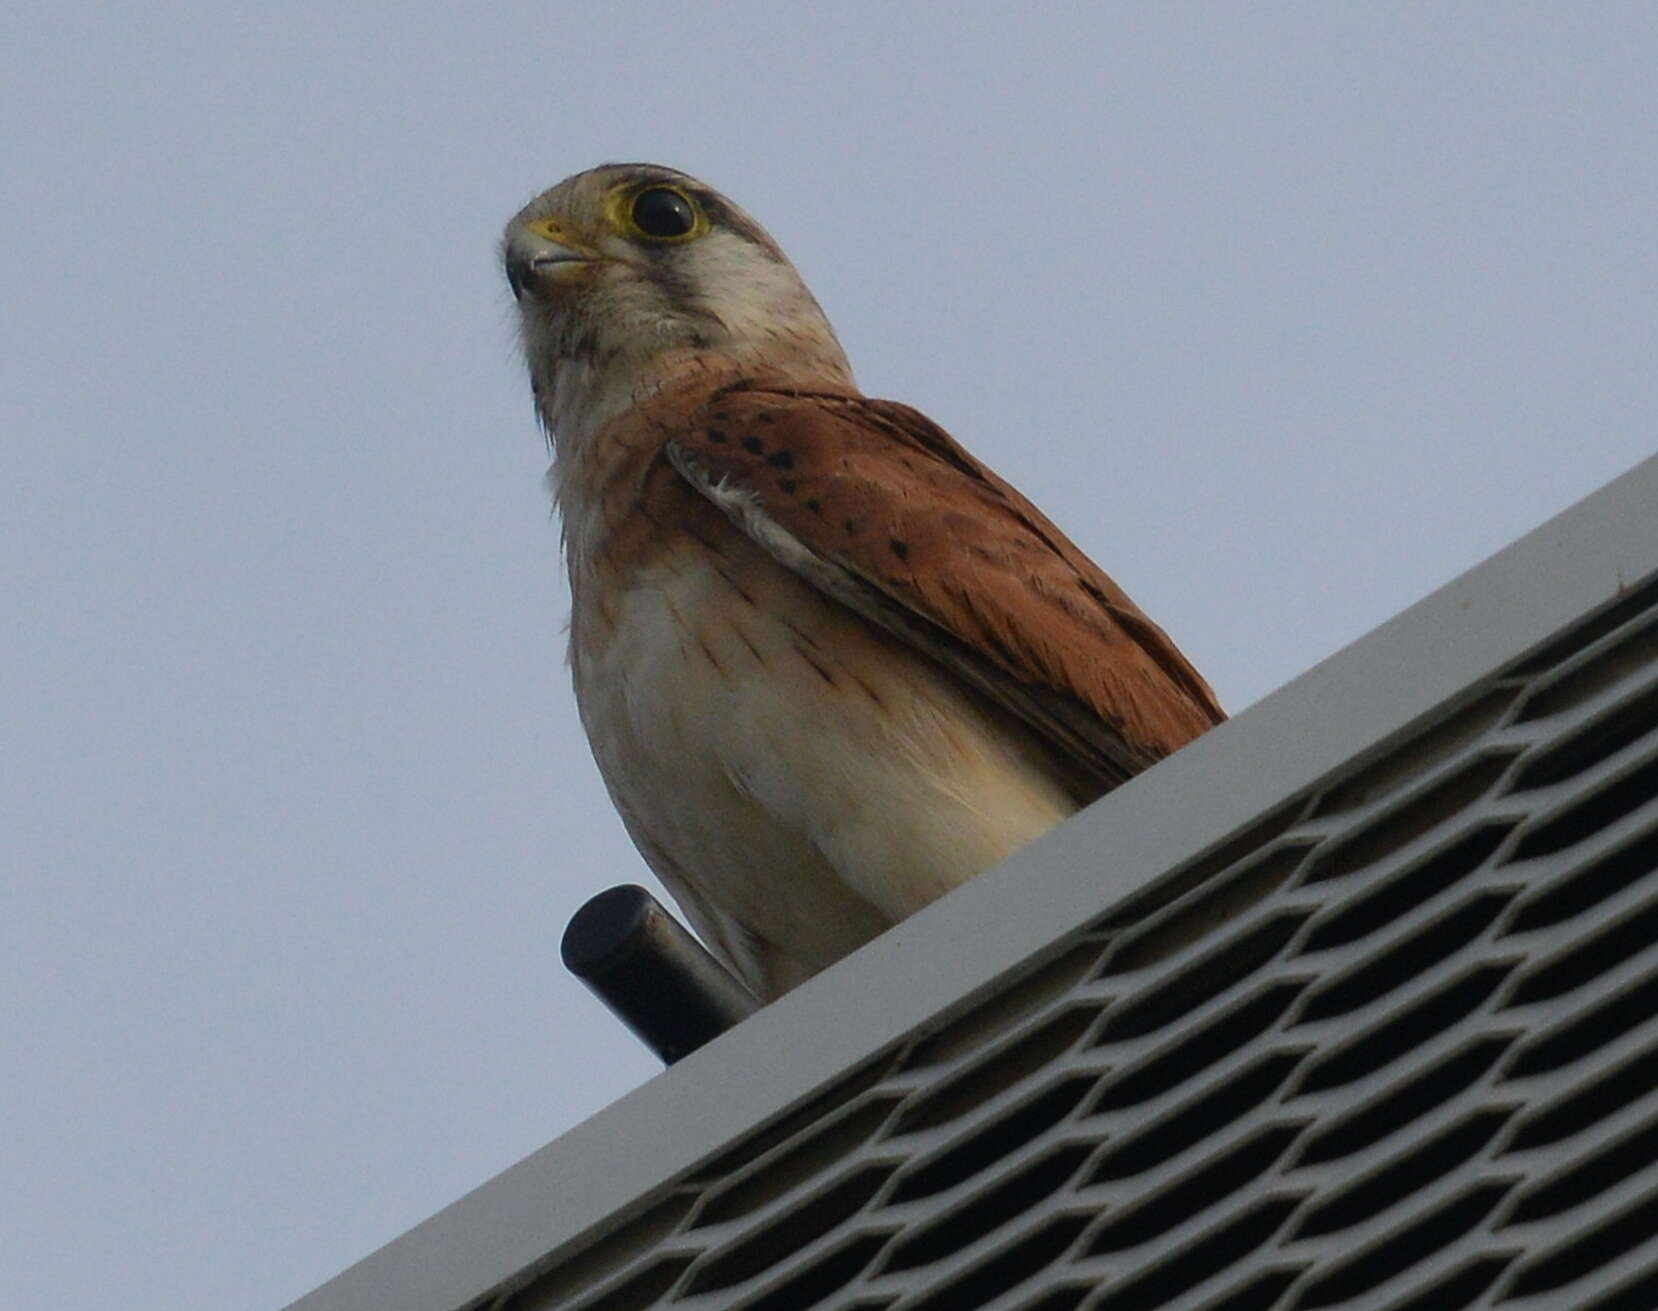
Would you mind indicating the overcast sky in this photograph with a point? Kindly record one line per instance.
(1287, 313)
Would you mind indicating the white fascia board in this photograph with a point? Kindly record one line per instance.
(1350, 705)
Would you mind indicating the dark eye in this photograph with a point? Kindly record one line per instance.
(662, 212)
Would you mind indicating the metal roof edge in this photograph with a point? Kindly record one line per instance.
(1347, 705)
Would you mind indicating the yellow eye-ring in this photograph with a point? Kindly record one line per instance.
(664, 214)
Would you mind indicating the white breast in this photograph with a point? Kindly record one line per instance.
(799, 780)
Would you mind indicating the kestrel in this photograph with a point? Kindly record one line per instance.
(830, 665)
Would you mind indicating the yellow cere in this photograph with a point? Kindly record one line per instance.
(556, 232)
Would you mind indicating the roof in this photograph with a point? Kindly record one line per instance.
(1445, 706)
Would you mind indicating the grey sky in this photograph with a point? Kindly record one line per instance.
(1287, 313)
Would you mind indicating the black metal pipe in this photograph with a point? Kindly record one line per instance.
(652, 973)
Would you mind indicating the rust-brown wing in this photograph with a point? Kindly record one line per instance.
(882, 510)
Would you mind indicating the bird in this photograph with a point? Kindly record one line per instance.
(829, 664)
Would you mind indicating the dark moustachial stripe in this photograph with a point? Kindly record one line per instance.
(678, 291)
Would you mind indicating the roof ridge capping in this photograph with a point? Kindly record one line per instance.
(1155, 836)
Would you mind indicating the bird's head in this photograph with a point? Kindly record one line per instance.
(625, 269)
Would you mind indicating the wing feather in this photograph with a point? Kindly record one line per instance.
(879, 508)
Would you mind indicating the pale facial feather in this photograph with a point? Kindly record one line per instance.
(617, 328)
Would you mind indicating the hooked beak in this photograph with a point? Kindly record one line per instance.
(538, 254)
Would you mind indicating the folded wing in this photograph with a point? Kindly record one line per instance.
(880, 509)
